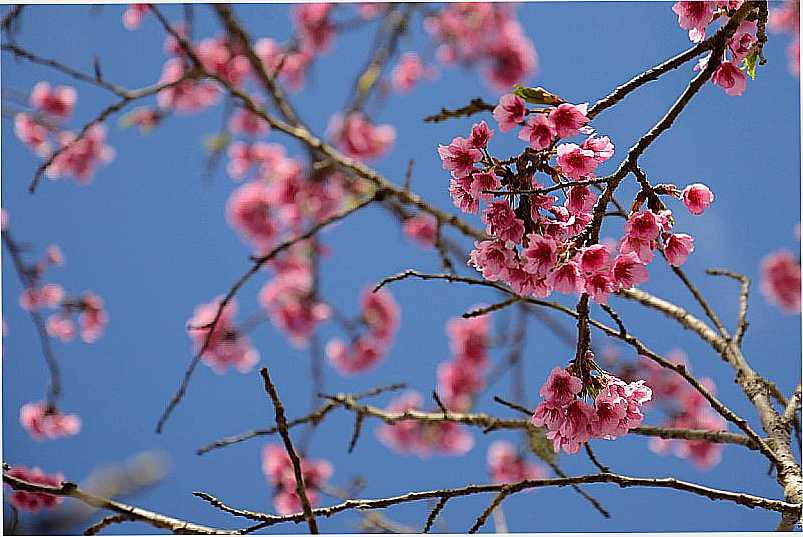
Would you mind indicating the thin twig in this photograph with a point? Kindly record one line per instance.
(281, 423)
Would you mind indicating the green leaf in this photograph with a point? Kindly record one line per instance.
(750, 62)
(537, 95)
(541, 446)
(217, 142)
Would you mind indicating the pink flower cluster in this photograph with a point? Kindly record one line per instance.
(44, 422)
(34, 501)
(380, 318)
(485, 33)
(422, 228)
(92, 318)
(695, 16)
(357, 137)
(288, 299)
(225, 346)
(507, 465)
(780, 280)
(77, 157)
(571, 421)
(133, 14)
(420, 438)
(533, 246)
(787, 19)
(278, 469)
(686, 408)
(462, 378)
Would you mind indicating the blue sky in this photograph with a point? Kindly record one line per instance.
(150, 236)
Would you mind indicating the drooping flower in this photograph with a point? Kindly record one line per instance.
(576, 162)
(538, 132)
(567, 119)
(781, 281)
(510, 112)
(730, 78)
(34, 501)
(57, 102)
(697, 198)
(459, 157)
(43, 422)
(677, 247)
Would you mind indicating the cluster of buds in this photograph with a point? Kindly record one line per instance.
(34, 501)
(463, 377)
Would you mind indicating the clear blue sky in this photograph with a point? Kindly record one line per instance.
(150, 236)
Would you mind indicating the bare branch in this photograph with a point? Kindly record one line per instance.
(281, 424)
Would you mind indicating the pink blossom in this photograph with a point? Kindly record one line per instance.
(312, 24)
(60, 327)
(677, 247)
(480, 135)
(567, 278)
(54, 255)
(492, 258)
(510, 112)
(580, 199)
(244, 121)
(248, 212)
(448, 437)
(294, 63)
(278, 470)
(513, 57)
(461, 190)
(468, 340)
(380, 313)
(483, 181)
(549, 415)
(697, 198)
(576, 162)
(730, 78)
(132, 16)
(409, 71)
(43, 422)
(49, 296)
(602, 147)
(540, 255)
(32, 133)
(538, 132)
(595, 258)
(780, 280)
(743, 40)
(643, 225)
(218, 57)
(223, 346)
(144, 117)
(93, 318)
(502, 222)
(642, 248)
(403, 436)
(524, 283)
(459, 157)
(363, 354)
(694, 16)
(287, 299)
(81, 156)
(599, 286)
(188, 96)
(609, 419)
(422, 228)
(34, 501)
(57, 102)
(628, 271)
(359, 138)
(458, 383)
(567, 119)
(506, 465)
(560, 387)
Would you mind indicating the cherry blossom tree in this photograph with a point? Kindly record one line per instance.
(560, 245)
